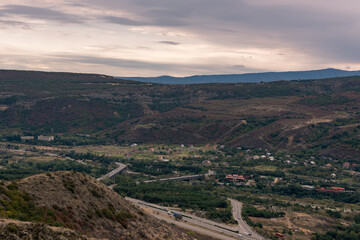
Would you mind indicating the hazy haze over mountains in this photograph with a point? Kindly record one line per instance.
(249, 77)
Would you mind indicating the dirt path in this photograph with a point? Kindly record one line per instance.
(233, 128)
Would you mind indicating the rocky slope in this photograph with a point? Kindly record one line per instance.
(14, 230)
(78, 202)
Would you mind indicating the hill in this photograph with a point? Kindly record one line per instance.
(78, 202)
(317, 115)
(14, 229)
(249, 77)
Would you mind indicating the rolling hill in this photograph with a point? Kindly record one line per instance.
(314, 115)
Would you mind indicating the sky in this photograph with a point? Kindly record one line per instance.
(179, 38)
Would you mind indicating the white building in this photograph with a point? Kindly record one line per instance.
(46, 138)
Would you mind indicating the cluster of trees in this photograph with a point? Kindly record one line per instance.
(181, 194)
(163, 168)
(59, 140)
(351, 232)
(249, 211)
(324, 100)
(19, 205)
(94, 157)
(298, 192)
(25, 169)
(262, 201)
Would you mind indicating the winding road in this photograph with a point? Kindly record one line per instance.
(200, 225)
(195, 223)
(243, 227)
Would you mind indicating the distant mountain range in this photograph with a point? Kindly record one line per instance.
(249, 77)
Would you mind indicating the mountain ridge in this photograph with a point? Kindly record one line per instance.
(248, 77)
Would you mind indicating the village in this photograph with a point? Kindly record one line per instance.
(153, 172)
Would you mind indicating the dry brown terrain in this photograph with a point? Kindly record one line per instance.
(88, 207)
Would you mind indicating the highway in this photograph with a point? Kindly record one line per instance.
(197, 229)
(189, 221)
(242, 226)
(113, 172)
(192, 222)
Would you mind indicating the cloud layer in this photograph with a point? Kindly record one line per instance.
(156, 37)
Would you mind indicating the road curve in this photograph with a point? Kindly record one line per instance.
(201, 225)
(243, 226)
(195, 228)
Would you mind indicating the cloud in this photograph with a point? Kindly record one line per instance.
(169, 42)
(39, 13)
(141, 66)
(269, 35)
(150, 22)
(124, 21)
(11, 24)
(114, 62)
(322, 29)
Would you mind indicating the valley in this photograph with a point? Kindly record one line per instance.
(286, 151)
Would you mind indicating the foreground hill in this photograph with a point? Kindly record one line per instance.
(78, 202)
(13, 229)
(320, 115)
(249, 77)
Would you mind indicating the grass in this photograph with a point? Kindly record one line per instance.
(40, 158)
(266, 168)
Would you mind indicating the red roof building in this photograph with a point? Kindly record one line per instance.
(234, 177)
(332, 189)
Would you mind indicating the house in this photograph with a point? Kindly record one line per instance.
(45, 138)
(247, 158)
(308, 187)
(162, 159)
(229, 177)
(346, 165)
(234, 178)
(331, 189)
(206, 163)
(328, 165)
(3, 107)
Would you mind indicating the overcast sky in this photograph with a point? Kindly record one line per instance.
(179, 37)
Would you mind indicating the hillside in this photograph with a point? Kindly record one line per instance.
(291, 115)
(13, 229)
(249, 77)
(78, 202)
